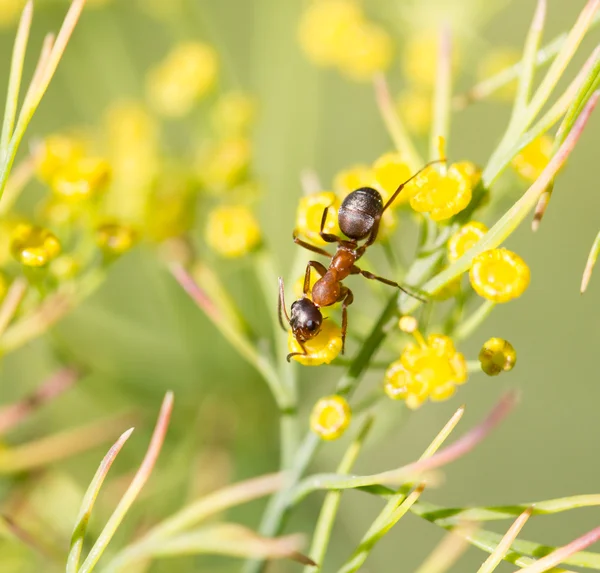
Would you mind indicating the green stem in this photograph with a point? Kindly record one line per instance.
(468, 326)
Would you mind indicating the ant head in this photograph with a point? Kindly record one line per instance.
(359, 211)
(306, 319)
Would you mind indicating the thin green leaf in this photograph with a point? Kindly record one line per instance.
(415, 470)
(515, 215)
(443, 93)
(138, 482)
(11, 302)
(589, 266)
(324, 526)
(16, 74)
(562, 554)
(89, 500)
(472, 322)
(227, 539)
(394, 124)
(387, 518)
(532, 44)
(503, 547)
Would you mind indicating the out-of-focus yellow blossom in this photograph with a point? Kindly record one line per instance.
(55, 153)
(352, 179)
(465, 238)
(368, 50)
(115, 239)
(10, 11)
(322, 349)
(4, 284)
(497, 355)
(330, 417)
(310, 212)
(414, 106)
(496, 61)
(224, 164)
(65, 267)
(441, 194)
(182, 78)
(499, 275)
(532, 159)
(389, 171)
(420, 58)
(430, 369)
(81, 179)
(324, 28)
(34, 246)
(57, 212)
(232, 231)
(233, 114)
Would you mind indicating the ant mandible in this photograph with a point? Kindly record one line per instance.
(358, 217)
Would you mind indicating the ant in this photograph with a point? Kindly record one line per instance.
(358, 217)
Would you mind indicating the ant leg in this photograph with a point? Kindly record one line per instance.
(291, 354)
(310, 247)
(321, 269)
(347, 298)
(328, 237)
(281, 305)
(355, 271)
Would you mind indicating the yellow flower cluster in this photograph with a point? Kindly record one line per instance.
(429, 368)
(532, 159)
(330, 417)
(182, 78)
(321, 349)
(34, 246)
(232, 231)
(336, 33)
(465, 238)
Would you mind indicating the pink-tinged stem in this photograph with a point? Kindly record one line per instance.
(138, 482)
(15, 413)
(562, 553)
(191, 287)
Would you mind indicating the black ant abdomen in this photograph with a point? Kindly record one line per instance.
(359, 212)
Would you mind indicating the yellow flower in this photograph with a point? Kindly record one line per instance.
(496, 61)
(55, 153)
(430, 369)
(389, 172)
(234, 113)
(499, 275)
(309, 214)
(115, 239)
(81, 179)
(184, 77)
(322, 349)
(368, 50)
(34, 246)
(470, 170)
(232, 231)
(225, 163)
(465, 238)
(532, 159)
(330, 417)
(414, 106)
(324, 28)
(497, 355)
(352, 179)
(442, 195)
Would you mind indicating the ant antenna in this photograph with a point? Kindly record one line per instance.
(281, 305)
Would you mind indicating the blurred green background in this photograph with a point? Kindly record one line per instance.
(140, 335)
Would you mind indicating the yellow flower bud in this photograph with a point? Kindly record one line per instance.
(440, 194)
(310, 212)
(465, 238)
(499, 275)
(224, 164)
(532, 159)
(232, 231)
(185, 76)
(115, 239)
(322, 349)
(368, 50)
(234, 113)
(352, 179)
(497, 355)
(330, 417)
(431, 369)
(81, 179)
(389, 172)
(34, 246)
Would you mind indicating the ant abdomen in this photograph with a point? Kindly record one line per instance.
(359, 211)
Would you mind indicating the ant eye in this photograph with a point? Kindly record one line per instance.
(311, 325)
